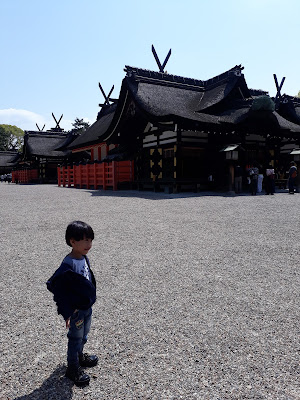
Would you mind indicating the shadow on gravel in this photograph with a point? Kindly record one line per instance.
(56, 387)
(147, 195)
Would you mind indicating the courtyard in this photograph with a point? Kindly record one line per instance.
(197, 294)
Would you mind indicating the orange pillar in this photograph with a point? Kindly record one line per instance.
(104, 175)
(79, 175)
(94, 182)
(114, 175)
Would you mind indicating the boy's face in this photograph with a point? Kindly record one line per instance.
(81, 247)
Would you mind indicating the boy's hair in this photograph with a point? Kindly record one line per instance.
(78, 230)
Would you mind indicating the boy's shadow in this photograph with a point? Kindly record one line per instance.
(55, 387)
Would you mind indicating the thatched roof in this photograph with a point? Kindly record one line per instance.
(8, 158)
(44, 144)
(96, 130)
(222, 102)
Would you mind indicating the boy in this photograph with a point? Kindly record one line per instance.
(74, 288)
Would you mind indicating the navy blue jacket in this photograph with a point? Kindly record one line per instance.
(71, 290)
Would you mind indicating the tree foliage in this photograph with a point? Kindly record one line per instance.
(11, 137)
(79, 126)
(298, 95)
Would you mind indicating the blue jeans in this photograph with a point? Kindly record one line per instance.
(291, 184)
(80, 325)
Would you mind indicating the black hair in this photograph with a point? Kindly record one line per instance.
(78, 230)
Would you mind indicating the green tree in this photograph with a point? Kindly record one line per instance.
(79, 126)
(11, 137)
(298, 95)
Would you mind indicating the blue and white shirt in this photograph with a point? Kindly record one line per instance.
(79, 266)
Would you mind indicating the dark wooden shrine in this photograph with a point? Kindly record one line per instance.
(8, 160)
(43, 151)
(188, 133)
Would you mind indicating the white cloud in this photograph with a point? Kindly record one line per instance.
(23, 119)
(27, 120)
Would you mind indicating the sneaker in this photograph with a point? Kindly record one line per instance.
(78, 376)
(86, 360)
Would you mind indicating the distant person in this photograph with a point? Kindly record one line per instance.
(254, 171)
(270, 180)
(74, 288)
(292, 177)
(260, 179)
(238, 179)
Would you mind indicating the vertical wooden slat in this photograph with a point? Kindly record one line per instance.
(114, 176)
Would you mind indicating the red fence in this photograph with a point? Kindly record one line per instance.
(24, 175)
(96, 175)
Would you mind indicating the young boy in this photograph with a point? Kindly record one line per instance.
(74, 288)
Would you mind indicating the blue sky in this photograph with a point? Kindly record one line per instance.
(54, 53)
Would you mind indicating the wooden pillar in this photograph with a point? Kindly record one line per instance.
(58, 176)
(87, 171)
(64, 176)
(115, 175)
(177, 162)
(94, 183)
(68, 176)
(104, 164)
(79, 175)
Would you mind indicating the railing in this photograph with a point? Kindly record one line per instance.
(96, 175)
(24, 175)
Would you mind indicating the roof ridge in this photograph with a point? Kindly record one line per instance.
(237, 71)
(162, 76)
(165, 78)
(47, 133)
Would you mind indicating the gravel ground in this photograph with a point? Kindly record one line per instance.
(198, 294)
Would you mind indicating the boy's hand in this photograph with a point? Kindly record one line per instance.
(68, 323)
(69, 319)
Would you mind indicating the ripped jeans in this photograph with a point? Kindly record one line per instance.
(80, 325)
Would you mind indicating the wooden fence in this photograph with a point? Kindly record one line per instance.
(97, 175)
(25, 176)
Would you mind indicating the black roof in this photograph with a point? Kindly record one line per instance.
(97, 129)
(8, 158)
(222, 101)
(44, 144)
(289, 108)
(162, 94)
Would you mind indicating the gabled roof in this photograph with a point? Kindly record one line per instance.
(162, 95)
(289, 108)
(222, 101)
(94, 133)
(70, 137)
(8, 158)
(44, 144)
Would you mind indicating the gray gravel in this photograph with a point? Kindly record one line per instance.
(198, 294)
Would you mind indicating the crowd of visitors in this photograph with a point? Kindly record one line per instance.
(255, 179)
(5, 178)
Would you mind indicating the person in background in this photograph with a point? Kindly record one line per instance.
(292, 177)
(270, 180)
(254, 171)
(238, 179)
(260, 179)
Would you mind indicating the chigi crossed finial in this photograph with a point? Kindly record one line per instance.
(161, 67)
(107, 99)
(278, 94)
(57, 128)
(40, 130)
